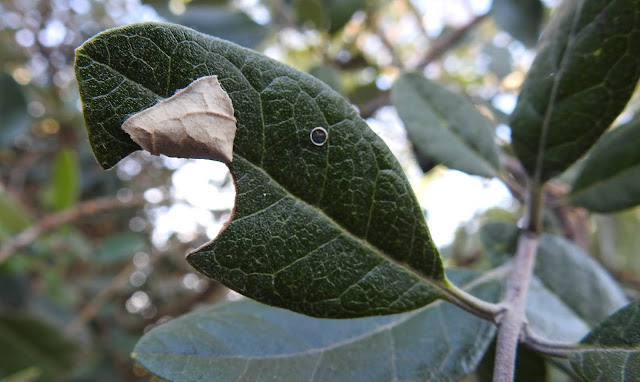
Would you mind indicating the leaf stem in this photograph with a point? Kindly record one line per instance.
(472, 304)
(49, 222)
(512, 323)
(513, 320)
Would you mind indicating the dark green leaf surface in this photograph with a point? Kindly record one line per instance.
(28, 342)
(609, 181)
(247, 341)
(522, 19)
(445, 126)
(14, 120)
(586, 69)
(332, 231)
(564, 269)
(619, 358)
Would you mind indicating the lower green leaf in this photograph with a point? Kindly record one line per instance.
(550, 317)
(613, 349)
(247, 341)
(581, 282)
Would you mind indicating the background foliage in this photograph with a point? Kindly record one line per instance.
(88, 259)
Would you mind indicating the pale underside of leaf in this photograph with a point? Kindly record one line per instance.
(246, 341)
(579, 281)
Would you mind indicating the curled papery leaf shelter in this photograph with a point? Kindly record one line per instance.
(196, 122)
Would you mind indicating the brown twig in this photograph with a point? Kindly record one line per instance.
(415, 12)
(92, 308)
(437, 50)
(446, 42)
(376, 29)
(49, 222)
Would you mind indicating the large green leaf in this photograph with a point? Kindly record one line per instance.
(247, 341)
(332, 230)
(586, 69)
(522, 19)
(445, 126)
(564, 269)
(28, 342)
(610, 178)
(618, 358)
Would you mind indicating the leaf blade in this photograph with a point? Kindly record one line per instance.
(585, 72)
(445, 126)
(616, 356)
(608, 180)
(255, 342)
(581, 282)
(342, 216)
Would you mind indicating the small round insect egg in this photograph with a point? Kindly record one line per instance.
(319, 136)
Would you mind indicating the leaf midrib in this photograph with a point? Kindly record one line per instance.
(553, 97)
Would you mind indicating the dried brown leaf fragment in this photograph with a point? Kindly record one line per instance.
(196, 122)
